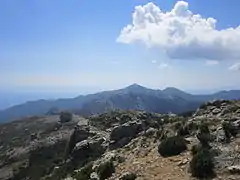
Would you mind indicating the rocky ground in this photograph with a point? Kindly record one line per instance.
(126, 141)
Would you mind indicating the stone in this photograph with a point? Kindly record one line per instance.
(94, 176)
(81, 132)
(220, 135)
(183, 162)
(130, 129)
(234, 169)
(216, 111)
(238, 111)
(90, 148)
(236, 123)
(34, 136)
(128, 176)
(150, 132)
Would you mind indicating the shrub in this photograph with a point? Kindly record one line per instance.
(84, 173)
(183, 131)
(105, 170)
(202, 164)
(229, 130)
(204, 129)
(195, 149)
(204, 135)
(172, 146)
(65, 117)
(192, 127)
(204, 139)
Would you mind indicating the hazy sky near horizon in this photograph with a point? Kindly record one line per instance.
(68, 45)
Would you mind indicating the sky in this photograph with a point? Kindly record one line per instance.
(87, 46)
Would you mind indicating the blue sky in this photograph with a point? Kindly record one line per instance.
(81, 46)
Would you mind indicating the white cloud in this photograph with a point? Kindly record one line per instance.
(181, 33)
(211, 62)
(163, 65)
(235, 67)
(154, 61)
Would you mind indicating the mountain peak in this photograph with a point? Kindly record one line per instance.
(135, 86)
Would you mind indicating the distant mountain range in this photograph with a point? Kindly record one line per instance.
(132, 97)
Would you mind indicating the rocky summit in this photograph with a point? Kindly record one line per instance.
(125, 145)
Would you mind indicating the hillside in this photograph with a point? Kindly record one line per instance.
(121, 144)
(134, 97)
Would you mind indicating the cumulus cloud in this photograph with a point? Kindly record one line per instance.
(181, 34)
(212, 62)
(235, 67)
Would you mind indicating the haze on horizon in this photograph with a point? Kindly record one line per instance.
(79, 47)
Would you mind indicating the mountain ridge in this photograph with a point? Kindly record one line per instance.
(133, 97)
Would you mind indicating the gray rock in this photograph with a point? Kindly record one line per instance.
(220, 135)
(94, 176)
(82, 133)
(234, 169)
(130, 129)
(128, 176)
(34, 136)
(238, 111)
(90, 148)
(216, 111)
(183, 162)
(236, 123)
(151, 132)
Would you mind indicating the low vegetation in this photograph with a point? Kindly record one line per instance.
(84, 173)
(229, 130)
(172, 146)
(202, 164)
(65, 117)
(105, 170)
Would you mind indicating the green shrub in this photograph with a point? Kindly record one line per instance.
(229, 130)
(204, 139)
(65, 117)
(195, 149)
(84, 173)
(172, 146)
(204, 135)
(202, 164)
(183, 131)
(203, 128)
(192, 127)
(105, 170)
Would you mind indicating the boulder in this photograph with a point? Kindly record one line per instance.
(82, 133)
(216, 111)
(88, 149)
(123, 134)
(151, 132)
(220, 135)
(127, 130)
(234, 169)
(94, 176)
(34, 136)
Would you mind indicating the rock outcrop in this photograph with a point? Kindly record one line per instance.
(124, 145)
